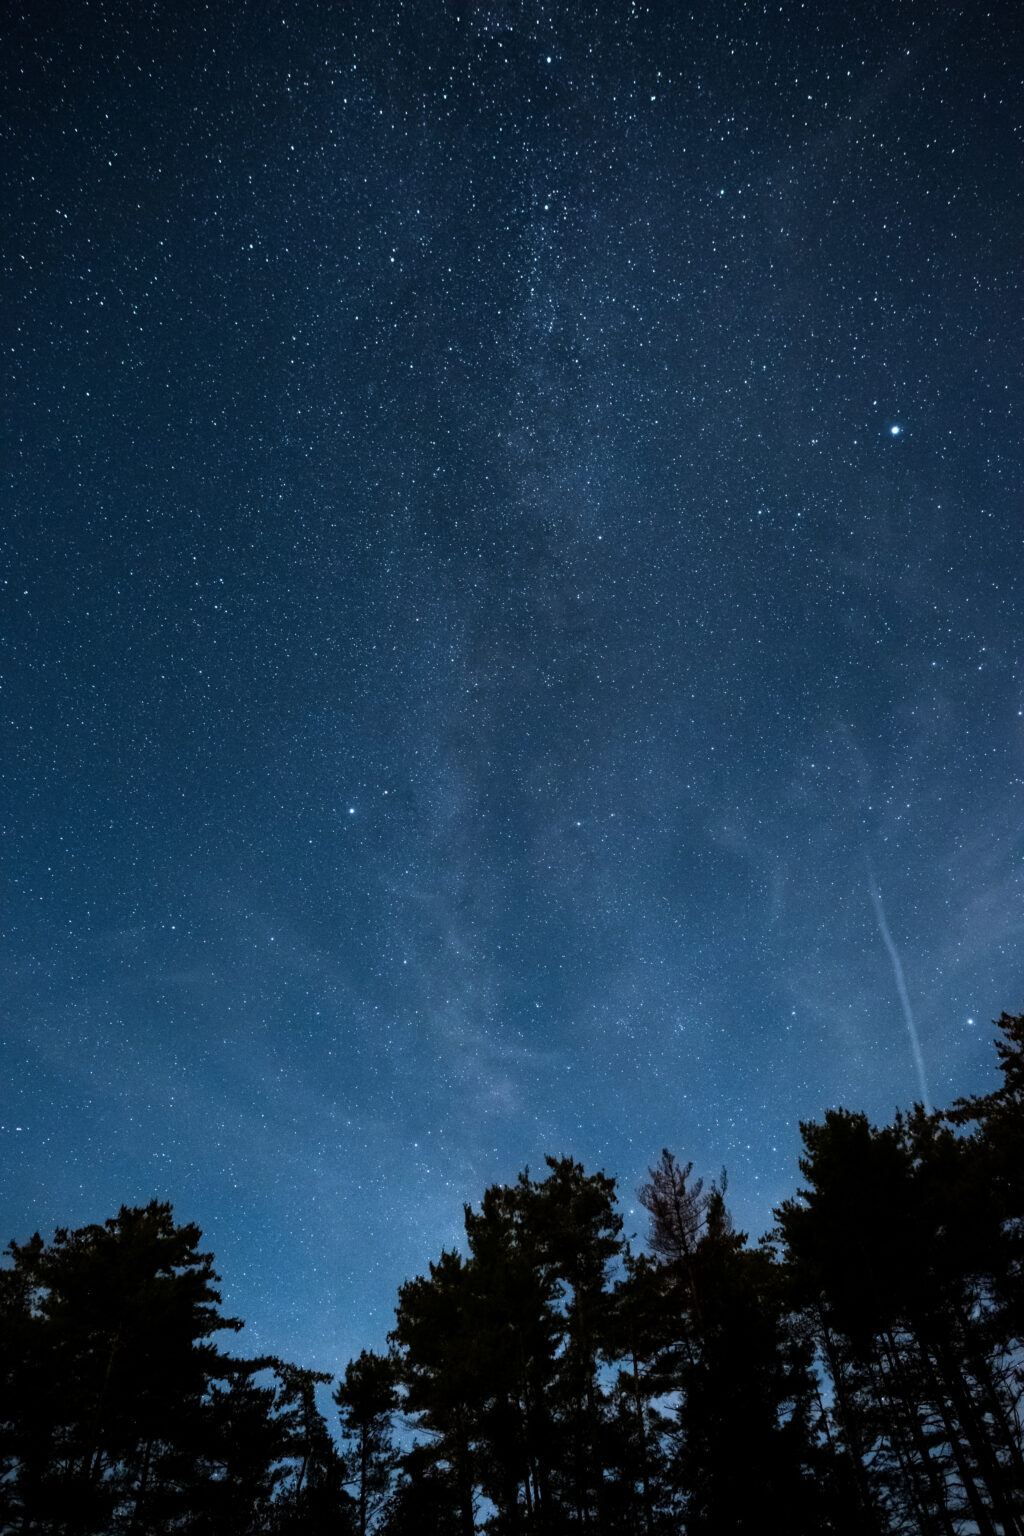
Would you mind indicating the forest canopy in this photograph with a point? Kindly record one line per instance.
(857, 1370)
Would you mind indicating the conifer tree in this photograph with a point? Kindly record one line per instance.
(367, 1396)
(121, 1417)
(109, 1388)
(897, 1251)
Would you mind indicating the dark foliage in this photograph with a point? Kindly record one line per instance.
(120, 1414)
(860, 1371)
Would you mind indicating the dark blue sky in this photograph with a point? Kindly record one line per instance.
(512, 607)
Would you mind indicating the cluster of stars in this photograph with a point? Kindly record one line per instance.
(391, 407)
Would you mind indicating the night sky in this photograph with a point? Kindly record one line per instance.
(512, 607)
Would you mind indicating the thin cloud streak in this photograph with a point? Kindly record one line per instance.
(901, 986)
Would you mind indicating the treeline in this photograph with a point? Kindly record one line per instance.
(858, 1371)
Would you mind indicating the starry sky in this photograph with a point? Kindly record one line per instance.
(512, 577)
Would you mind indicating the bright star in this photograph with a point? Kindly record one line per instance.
(895, 431)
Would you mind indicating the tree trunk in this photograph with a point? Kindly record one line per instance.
(645, 1480)
(851, 1438)
(949, 1390)
(913, 1423)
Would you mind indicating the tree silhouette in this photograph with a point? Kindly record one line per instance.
(120, 1412)
(858, 1373)
(367, 1396)
(898, 1252)
(739, 1369)
(436, 1328)
(109, 1391)
(498, 1353)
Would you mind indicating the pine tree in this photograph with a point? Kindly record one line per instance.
(109, 1373)
(745, 1449)
(896, 1249)
(367, 1396)
(435, 1335)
